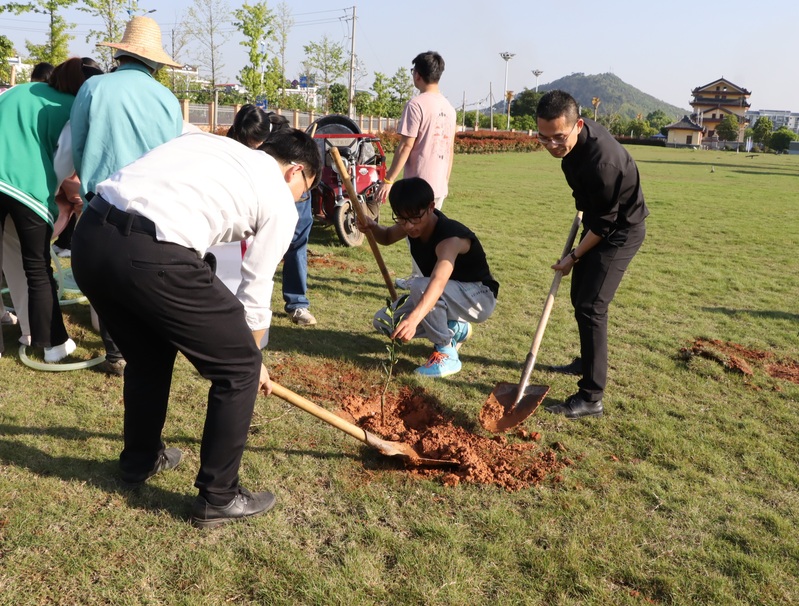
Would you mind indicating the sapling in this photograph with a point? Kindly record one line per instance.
(392, 347)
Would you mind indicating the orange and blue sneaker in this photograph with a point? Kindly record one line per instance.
(462, 330)
(443, 362)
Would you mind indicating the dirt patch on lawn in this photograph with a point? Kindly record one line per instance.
(737, 358)
(415, 418)
(330, 262)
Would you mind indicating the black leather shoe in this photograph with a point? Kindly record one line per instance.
(575, 367)
(575, 408)
(243, 505)
(169, 459)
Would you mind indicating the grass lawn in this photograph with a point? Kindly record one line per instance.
(684, 493)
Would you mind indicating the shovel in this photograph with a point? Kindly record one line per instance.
(509, 404)
(402, 451)
(355, 202)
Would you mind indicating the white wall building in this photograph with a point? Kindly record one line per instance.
(778, 117)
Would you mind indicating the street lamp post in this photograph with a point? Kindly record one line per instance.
(131, 10)
(536, 73)
(507, 56)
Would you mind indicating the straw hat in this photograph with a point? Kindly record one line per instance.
(143, 39)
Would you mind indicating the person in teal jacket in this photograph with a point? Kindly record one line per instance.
(34, 159)
(118, 118)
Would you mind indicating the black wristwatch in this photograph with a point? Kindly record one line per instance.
(574, 257)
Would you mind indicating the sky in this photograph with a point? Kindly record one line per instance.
(665, 52)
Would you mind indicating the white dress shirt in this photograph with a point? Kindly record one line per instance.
(201, 190)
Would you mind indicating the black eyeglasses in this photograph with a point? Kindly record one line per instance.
(409, 220)
(557, 139)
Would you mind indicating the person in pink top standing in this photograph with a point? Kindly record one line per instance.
(427, 135)
(427, 131)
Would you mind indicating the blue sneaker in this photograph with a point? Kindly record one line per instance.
(443, 362)
(462, 330)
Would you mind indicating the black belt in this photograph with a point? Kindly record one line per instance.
(126, 221)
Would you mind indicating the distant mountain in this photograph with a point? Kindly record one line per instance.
(616, 96)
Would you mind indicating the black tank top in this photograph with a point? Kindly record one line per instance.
(469, 267)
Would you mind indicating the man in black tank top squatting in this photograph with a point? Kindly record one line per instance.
(456, 287)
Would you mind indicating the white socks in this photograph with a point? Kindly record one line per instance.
(59, 352)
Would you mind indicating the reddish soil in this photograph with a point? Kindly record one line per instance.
(738, 358)
(414, 418)
(329, 261)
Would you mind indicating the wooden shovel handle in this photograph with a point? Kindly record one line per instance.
(548, 304)
(356, 205)
(320, 413)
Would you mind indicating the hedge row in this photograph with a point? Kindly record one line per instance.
(476, 142)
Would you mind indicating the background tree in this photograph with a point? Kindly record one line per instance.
(114, 16)
(363, 103)
(400, 88)
(525, 103)
(6, 51)
(781, 138)
(56, 49)
(727, 130)
(326, 60)
(255, 22)
(658, 119)
(178, 45)
(338, 96)
(283, 23)
(381, 101)
(205, 22)
(761, 131)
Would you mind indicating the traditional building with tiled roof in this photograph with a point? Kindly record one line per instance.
(685, 133)
(716, 100)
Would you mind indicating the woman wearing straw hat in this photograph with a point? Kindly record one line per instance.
(121, 117)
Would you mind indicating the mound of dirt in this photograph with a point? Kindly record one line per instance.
(737, 358)
(412, 417)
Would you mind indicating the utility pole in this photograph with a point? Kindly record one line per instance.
(491, 105)
(351, 105)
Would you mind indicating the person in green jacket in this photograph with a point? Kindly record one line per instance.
(34, 159)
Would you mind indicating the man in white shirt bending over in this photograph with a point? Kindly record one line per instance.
(138, 254)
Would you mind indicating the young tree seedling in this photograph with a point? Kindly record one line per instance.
(392, 348)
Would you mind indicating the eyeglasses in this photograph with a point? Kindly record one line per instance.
(409, 220)
(413, 69)
(557, 139)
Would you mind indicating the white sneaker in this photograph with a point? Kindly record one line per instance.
(62, 252)
(8, 319)
(25, 340)
(59, 352)
(303, 317)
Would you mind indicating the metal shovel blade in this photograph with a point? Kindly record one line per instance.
(406, 453)
(499, 414)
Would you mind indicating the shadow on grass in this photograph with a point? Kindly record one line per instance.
(759, 313)
(96, 473)
(339, 344)
(735, 168)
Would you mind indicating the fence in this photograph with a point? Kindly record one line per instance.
(208, 116)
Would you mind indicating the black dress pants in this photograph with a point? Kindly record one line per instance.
(595, 280)
(157, 299)
(44, 313)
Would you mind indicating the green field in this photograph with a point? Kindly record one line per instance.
(684, 493)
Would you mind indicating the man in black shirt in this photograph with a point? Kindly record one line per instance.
(606, 187)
